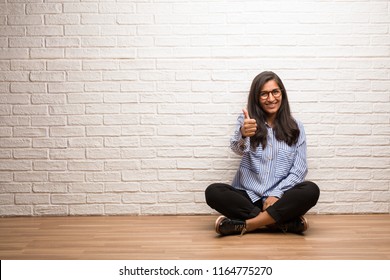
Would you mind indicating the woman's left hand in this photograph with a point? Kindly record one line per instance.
(269, 201)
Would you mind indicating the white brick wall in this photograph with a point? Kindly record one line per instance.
(126, 107)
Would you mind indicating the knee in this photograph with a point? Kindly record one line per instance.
(213, 193)
(314, 191)
(210, 192)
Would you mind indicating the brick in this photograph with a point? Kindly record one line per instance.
(143, 198)
(12, 9)
(66, 177)
(6, 199)
(85, 165)
(53, 42)
(48, 99)
(66, 109)
(82, 210)
(80, 8)
(81, 53)
(188, 208)
(107, 153)
(100, 65)
(373, 207)
(26, 42)
(99, 41)
(15, 143)
(48, 76)
(103, 131)
(78, 98)
(122, 187)
(50, 188)
(120, 98)
(86, 187)
(120, 120)
(87, 142)
(62, 19)
(5, 177)
(31, 154)
(50, 210)
(97, 19)
(15, 98)
(31, 177)
(176, 197)
(11, 31)
(168, 209)
(28, 88)
(158, 186)
(48, 121)
(102, 87)
(50, 165)
(15, 165)
(121, 142)
(30, 110)
(85, 120)
(139, 175)
(102, 109)
(67, 131)
(32, 199)
(15, 187)
(104, 198)
(45, 31)
(69, 153)
(140, 131)
(30, 132)
(63, 65)
(158, 164)
(85, 76)
(25, 20)
(5, 110)
(179, 175)
(13, 76)
(49, 143)
(121, 209)
(18, 210)
(135, 19)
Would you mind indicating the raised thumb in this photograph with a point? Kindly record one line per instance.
(246, 114)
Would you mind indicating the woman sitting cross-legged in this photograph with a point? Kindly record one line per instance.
(269, 188)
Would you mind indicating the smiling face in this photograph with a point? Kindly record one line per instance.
(270, 104)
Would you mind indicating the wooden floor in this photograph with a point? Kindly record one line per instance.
(330, 237)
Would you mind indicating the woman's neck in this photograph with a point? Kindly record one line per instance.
(271, 120)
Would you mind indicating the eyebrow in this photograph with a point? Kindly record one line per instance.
(269, 90)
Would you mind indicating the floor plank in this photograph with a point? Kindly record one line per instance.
(335, 237)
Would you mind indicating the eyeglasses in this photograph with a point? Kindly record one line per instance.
(275, 92)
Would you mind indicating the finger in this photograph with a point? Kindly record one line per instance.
(250, 121)
(250, 126)
(246, 114)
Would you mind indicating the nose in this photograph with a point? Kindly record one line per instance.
(270, 97)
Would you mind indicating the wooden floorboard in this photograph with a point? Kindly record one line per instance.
(329, 237)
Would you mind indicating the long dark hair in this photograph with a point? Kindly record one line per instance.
(285, 127)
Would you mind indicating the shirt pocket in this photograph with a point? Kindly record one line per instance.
(284, 162)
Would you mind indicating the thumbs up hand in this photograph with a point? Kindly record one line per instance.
(249, 126)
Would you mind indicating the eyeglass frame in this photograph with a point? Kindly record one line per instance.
(276, 93)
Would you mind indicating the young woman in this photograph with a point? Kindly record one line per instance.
(269, 187)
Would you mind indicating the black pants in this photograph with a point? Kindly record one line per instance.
(236, 204)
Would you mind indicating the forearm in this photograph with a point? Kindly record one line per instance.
(238, 143)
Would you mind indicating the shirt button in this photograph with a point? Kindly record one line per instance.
(269, 158)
